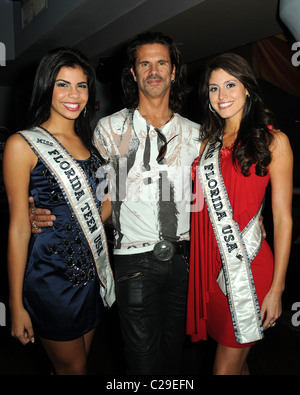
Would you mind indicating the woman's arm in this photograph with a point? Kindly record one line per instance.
(281, 176)
(18, 161)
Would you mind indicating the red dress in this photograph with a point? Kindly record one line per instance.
(208, 311)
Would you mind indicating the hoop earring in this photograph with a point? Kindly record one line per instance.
(84, 112)
(210, 107)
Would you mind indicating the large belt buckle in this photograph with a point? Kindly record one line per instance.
(164, 250)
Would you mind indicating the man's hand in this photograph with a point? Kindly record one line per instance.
(39, 217)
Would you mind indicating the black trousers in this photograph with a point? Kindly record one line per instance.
(151, 298)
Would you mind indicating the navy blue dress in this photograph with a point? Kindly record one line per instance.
(61, 285)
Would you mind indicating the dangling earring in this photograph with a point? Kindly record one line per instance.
(210, 107)
(84, 112)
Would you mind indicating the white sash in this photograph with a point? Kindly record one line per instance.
(76, 190)
(235, 278)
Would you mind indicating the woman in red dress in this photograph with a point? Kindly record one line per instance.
(250, 154)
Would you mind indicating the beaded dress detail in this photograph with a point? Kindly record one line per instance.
(61, 286)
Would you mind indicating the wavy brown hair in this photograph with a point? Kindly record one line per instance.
(254, 136)
(179, 87)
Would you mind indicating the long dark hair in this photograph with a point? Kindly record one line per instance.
(41, 98)
(254, 135)
(179, 88)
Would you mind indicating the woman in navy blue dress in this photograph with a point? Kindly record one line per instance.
(60, 278)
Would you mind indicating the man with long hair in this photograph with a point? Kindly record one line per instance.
(150, 148)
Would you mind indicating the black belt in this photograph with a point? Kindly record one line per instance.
(164, 250)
